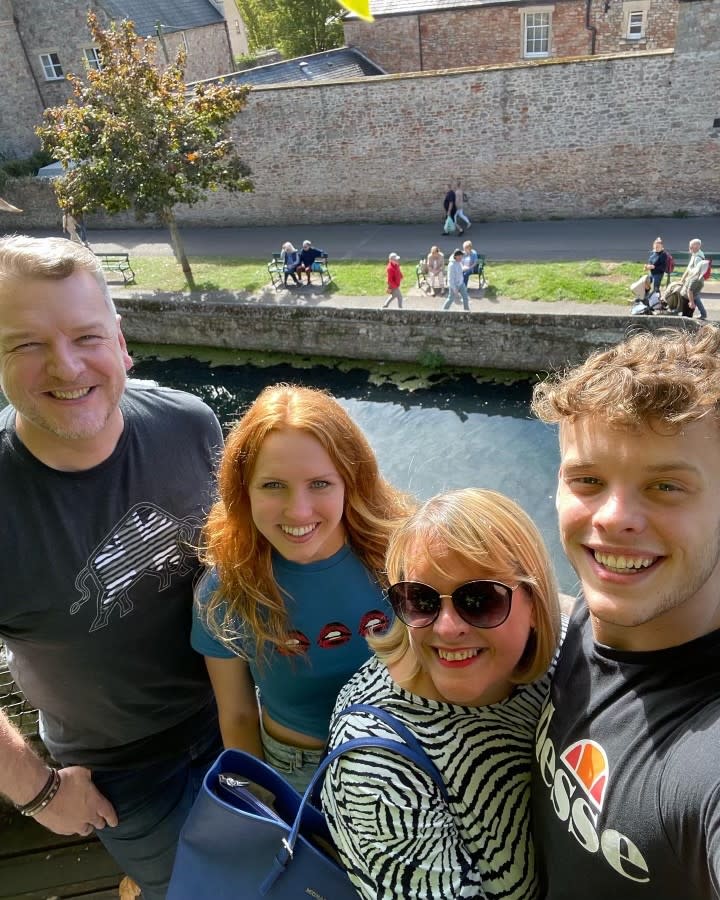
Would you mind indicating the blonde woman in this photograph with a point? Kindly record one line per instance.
(466, 668)
(290, 260)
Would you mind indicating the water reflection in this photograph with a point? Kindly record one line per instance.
(457, 433)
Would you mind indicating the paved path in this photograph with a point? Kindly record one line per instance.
(611, 239)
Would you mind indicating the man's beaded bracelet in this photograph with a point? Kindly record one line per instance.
(38, 804)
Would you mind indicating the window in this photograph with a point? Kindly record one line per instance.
(536, 34)
(635, 17)
(51, 66)
(636, 25)
(92, 58)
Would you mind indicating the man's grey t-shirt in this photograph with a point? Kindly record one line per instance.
(97, 569)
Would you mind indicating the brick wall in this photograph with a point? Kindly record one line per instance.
(492, 35)
(556, 139)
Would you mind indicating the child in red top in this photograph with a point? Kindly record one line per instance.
(394, 277)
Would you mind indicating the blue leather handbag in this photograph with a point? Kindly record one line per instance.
(235, 847)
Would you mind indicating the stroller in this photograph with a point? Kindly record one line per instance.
(646, 302)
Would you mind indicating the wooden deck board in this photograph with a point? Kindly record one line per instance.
(38, 865)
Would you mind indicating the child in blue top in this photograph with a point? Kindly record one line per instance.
(296, 543)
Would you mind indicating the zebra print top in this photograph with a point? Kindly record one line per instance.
(395, 834)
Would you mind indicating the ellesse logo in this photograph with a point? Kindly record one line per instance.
(577, 780)
(588, 763)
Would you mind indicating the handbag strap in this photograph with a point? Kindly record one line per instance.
(401, 730)
(409, 747)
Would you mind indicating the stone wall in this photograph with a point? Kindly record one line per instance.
(560, 138)
(526, 343)
(17, 133)
(208, 51)
(61, 27)
(490, 34)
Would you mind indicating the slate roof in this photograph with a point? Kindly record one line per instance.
(332, 65)
(381, 8)
(174, 15)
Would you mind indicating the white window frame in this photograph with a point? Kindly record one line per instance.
(51, 66)
(632, 10)
(91, 55)
(636, 25)
(536, 11)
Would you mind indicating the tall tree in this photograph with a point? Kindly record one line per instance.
(138, 139)
(295, 27)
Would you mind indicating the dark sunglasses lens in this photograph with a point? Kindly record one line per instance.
(483, 604)
(415, 604)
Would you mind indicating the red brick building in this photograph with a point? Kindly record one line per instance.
(426, 35)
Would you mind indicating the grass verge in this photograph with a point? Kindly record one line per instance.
(592, 281)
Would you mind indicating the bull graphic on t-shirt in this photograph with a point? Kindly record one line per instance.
(146, 541)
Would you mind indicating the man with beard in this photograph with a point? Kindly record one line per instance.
(105, 484)
(626, 779)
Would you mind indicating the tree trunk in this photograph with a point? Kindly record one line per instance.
(178, 247)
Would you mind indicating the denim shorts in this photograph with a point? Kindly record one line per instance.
(296, 764)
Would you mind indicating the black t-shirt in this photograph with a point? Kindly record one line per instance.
(97, 571)
(626, 775)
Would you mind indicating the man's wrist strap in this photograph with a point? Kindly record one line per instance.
(51, 787)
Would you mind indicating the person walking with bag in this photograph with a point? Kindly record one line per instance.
(296, 545)
(449, 210)
(460, 199)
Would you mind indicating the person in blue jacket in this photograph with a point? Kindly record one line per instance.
(308, 256)
(290, 260)
(656, 265)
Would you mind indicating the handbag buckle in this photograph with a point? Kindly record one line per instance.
(231, 781)
(288, 848)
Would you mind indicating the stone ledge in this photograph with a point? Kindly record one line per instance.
(493, 340)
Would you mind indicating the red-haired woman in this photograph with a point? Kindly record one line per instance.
(296, 545)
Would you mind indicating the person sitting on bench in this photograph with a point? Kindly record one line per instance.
(469, 261)
(308, 256)
(290, 260)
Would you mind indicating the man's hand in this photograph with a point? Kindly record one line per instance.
(78, 807)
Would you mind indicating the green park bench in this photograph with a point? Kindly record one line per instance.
(277, 275)
(421, 273)
(117, 262)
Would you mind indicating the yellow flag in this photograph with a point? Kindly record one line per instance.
(359, 7)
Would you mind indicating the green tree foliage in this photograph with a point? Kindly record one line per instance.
(295, 27)
(139, 138)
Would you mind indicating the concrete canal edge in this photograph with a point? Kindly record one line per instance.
(493, 340)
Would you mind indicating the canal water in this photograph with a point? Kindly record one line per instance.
(446, 432)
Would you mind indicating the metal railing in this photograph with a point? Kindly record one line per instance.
(16, 707)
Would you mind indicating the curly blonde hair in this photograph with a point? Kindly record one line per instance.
(662, 380)
(248, 592)
(492, 533)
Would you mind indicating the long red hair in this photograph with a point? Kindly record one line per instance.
(248, 593)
